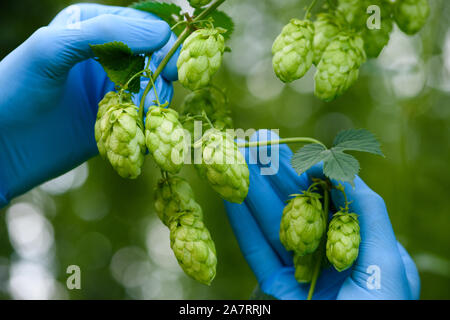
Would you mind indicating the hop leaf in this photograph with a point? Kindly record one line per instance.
(411, 15)
(293, 50)
(165, 138)
(303, 224)
(198, 3)
(200, 58)
(120, 64)
(343, 240)
(337, 164)
(223, 166)
(339, 67)
(169, 12)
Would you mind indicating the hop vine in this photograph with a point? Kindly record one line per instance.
(336, 40)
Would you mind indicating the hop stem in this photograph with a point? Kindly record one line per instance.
(317, 267)
(340, 187)
(280, 141)
(308, 10)
(186, 32)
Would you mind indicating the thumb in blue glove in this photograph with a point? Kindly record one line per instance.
(51, 87)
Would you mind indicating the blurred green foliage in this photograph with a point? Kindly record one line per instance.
(107, 225)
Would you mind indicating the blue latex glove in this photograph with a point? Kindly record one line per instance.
(51, 86)
(256, 224)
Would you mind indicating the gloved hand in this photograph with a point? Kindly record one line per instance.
(51, 87)
(256, 224)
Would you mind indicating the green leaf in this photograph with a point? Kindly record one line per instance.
(357, 140)
(121, 77)
(120, 64)
(340, 166)
(169, 12)
(113, 55)
(308, 156)
(220, 19)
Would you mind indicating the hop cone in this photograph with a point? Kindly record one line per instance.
(303, 224)
(343, 240)
(326, 28)
(119, 135)
(304, 267)
(354, 11)
(110, 99)
(199, 3)
(200, 58)
(193, 247)
(165, 138)
(375, 40)
(214, 105)
(411, 15)
(223, 166)
(339, 67)
(174, 196)
(293, 50)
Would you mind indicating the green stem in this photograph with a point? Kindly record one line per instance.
(156, 92)
(205, 116)
(186, 32)
(313, 3)
(341, 188)
(326, 204)
(220, 91)
(161, 66)
(280, 141)
(208, 10)
(125, 87)
(179, 23)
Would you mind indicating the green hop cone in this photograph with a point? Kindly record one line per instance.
(339, 67)
(213, 103)
(110, 99)
(200, 57)
(193, 247)
(354, 12)
(375, 40)
(174, 196)
(303, 224)
(327, 27)
(223, 166)
(293, 50)
(199, 3)
(304, 267)
(343, 240)
(165, 138)
(411, 15)
(119, 135)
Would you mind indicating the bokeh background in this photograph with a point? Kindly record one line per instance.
(92, 218)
